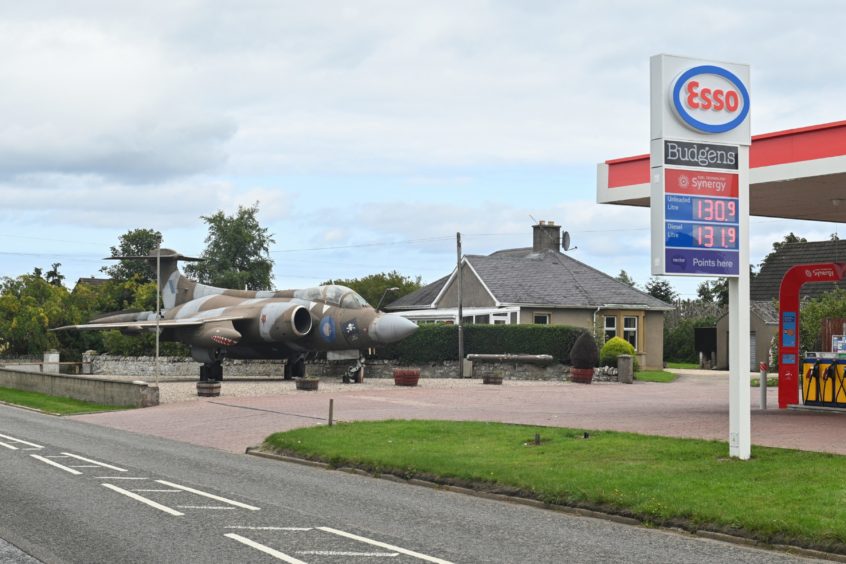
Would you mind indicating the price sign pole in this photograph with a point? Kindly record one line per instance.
(699, 159)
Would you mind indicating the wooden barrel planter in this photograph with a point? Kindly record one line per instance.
(208, 389)
(494, 379)
(406, 376)
(581, 375)
(308, 384)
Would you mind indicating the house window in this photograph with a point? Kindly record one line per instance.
(483, 319)
(610, 327)
(630, 330)
(541, 319)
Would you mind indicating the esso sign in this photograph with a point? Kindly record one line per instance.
(710, 99)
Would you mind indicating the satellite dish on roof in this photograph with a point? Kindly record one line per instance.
(565, 241)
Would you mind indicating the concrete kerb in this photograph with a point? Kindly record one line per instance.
(576, 511)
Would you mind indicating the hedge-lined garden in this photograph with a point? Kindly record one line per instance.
(437, 343)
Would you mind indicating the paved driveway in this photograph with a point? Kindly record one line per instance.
(696, 405)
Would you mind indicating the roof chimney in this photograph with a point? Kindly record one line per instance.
(546, 237)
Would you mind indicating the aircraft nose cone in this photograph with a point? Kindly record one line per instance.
(390, 328)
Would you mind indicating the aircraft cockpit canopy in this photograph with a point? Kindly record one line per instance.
(339, 296)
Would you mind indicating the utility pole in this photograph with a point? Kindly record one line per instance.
(460, 310)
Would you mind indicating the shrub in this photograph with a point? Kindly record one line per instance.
(614, 348)
(437, 343)
(584, 353)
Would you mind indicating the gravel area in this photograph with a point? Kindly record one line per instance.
(174, 392)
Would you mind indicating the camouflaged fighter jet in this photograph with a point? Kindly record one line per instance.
(288, 324)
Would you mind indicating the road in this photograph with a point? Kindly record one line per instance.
(75, 492)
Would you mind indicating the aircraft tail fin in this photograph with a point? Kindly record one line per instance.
(173, 285)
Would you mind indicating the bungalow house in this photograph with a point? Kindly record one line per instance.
(763, 295)
(545, 286)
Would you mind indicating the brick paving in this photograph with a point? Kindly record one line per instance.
(695, 406)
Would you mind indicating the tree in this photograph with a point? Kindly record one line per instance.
(373, 286)
(661, 289)
(625, 279)
(134, 243)
(237, 253)
(53, 276)
(778, 245)
(714, 291)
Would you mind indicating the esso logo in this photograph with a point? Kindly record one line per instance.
(710, 99)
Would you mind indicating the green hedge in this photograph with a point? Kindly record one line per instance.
(436, 343)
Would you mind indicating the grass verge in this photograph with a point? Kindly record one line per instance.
(682, 365)
(655, 376)
(772, 382)
(779, 496)
(52, 404)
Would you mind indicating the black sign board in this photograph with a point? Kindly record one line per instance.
(700, 155)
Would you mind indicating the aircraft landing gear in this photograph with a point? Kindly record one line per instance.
(295, 368)
(211, 372)
(353, 373)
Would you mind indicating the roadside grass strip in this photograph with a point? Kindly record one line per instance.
(780, 496)
(52, 404)
(659, 376)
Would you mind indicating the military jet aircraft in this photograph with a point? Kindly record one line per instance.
(217, 323)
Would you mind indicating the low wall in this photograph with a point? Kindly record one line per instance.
(171, 368)
(95, 390)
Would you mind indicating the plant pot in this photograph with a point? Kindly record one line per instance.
(309, 384)
(581, 375)
(495, 379)
(406, 376)
(208, 389)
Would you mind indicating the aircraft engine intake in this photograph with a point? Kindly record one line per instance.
(294, 323)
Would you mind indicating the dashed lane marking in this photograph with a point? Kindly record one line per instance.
(10, 447)
(14, 440)
(84, 466)
(56, 464)
(208, 495)
(102, 464)
(265, 549)
(144, 500)
(205, 507)
(269, 528)
(345, 553)
(387, 546)
(159, 491)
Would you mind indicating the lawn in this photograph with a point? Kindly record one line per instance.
(655, 376)
(779, 496)
(52, 404)
(682, 365)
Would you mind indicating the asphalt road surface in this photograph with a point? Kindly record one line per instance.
(75, 492)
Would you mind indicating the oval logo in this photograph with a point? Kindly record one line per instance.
(710, 99)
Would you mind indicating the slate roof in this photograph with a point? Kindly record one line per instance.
(766, 284)
(546, 278)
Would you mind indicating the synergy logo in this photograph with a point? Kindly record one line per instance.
(710, 99)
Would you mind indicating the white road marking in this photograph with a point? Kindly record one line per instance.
(342, 553)
(14, 440)
(208, 495)
(56, 464)
(56, 456)
(162, 491)
(269, 528)
(103, 464)
(266, 549)
(143, 499)
(384, 545)
(10, 447)
(84, 466)
(204, 507)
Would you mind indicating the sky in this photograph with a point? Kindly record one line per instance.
(369, 132)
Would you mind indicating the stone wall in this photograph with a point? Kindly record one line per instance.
(174, 368)
(96, 390)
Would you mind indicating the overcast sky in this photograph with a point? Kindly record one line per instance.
(370, 132)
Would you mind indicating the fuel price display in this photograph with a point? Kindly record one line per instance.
(701, 222)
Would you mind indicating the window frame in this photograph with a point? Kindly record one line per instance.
(628, 330)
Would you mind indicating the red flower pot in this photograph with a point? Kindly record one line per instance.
(581, 375)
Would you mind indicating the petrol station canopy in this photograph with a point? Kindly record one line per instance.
(793, 174)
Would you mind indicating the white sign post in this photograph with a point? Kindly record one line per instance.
(699, 158)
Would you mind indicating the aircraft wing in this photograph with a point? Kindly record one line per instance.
(150, 325)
